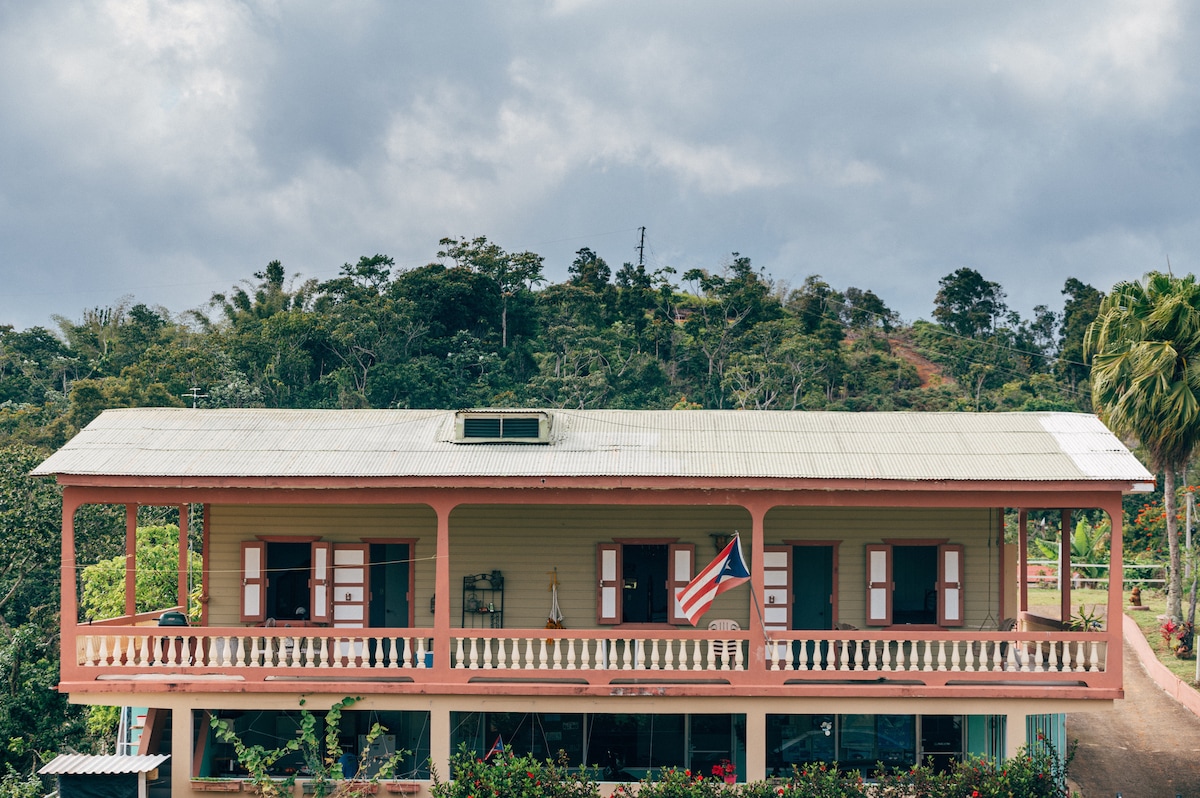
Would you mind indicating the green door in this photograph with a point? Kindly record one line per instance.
(812, 597)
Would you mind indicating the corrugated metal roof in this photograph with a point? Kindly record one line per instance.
(172, 442)
(79, 764)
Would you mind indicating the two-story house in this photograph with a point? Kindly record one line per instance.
(412, 558)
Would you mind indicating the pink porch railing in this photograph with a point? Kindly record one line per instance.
(599, 656)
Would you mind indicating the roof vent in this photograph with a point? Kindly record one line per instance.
(501, 426)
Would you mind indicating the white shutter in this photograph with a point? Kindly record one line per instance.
(777, 584)
(608, 593)
(950, 585)
(254, 583)
(879, 585)
(680, 559)
(322, 555)
(349, 604)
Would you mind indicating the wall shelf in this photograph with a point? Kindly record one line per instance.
(483, 601)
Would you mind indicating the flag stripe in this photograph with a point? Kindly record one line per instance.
(727, 571)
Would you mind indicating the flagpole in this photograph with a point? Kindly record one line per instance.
(762, 622)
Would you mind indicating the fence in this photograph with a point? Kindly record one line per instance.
(1048, 572)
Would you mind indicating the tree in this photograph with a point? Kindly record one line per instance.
(157, 587)
(1145, 350)
(967, 304)
(1079, 311)
(514, 273)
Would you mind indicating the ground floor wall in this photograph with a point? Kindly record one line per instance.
(763, 734)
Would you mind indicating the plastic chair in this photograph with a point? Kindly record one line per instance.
(723, 649)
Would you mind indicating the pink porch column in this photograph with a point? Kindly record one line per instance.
(68, 599)
(1064, 567)
(183, 558)
(131, 560)
(1023, 561)
(756, 722)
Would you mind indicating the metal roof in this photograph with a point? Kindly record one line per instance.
(265, 443)
(79, 764)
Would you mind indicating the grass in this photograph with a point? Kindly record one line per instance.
(1047, 602)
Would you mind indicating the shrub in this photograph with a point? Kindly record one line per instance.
(506, 775)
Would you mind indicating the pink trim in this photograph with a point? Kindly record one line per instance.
(1175, 687)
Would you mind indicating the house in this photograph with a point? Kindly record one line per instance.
(410, 558)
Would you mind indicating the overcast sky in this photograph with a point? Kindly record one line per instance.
(167, 150)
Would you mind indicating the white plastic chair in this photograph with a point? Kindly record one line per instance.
(723, 650)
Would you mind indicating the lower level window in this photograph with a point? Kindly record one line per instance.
(863, 742)
(272, 729)
(620, 747)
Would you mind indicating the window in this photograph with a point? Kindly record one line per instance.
(626, 747)
(305, 581)
(862, 742)
(914, 584)
(640, 582)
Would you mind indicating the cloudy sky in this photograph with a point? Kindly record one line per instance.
(168, 149)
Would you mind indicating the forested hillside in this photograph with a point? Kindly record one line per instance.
(477, 327)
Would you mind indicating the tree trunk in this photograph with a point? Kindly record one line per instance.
(1175, 585)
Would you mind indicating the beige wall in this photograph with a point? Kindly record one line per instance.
(857, 527)
(527, 543)
(230, 525)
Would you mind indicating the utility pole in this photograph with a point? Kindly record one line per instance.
(641, 247)
(194, 394)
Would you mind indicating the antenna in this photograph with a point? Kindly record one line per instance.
(195, 394)
(641, 247)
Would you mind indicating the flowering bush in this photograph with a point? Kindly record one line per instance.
(724, 770)
(507, 775)
(1177, 635)
(1035, 772)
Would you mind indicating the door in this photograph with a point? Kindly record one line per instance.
(812, 597)
(390, 585)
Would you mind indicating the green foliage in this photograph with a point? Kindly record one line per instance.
(1035, 772)
(507, 775)
(103, 583)
(1089, 546)
(321, 754)
(1145, 347)
(14, 785)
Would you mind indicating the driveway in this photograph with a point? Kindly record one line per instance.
(1148, 746)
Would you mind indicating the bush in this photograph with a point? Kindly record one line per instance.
(1036, 772)
(507, 775)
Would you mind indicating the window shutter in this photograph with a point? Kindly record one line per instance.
(777, 594)
(254, 582)
(319, 582)
(350, 584)
(680, 559)
(879, 585)
(950, 585)
(608, 595)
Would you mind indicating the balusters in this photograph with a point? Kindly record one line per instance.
(459, 658)
(941, 655)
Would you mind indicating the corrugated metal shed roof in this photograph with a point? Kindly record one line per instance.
(172, 442)
(80, 764)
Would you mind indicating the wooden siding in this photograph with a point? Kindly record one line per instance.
(857, 527)
(527, 543)
(230, 525)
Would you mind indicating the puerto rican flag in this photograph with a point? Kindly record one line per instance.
(727, 571)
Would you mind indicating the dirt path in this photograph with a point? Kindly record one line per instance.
(1146, 747)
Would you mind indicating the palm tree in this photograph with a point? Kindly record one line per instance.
(1145, 350)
